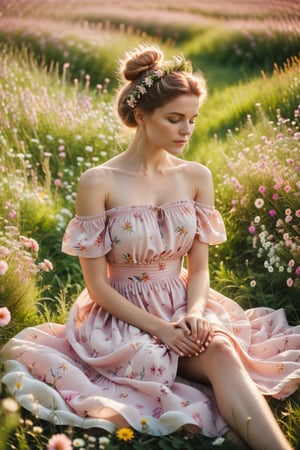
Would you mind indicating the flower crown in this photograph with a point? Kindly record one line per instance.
(176, 64)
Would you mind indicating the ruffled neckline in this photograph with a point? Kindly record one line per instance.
(163, 206)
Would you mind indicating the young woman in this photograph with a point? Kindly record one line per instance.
(148, 342)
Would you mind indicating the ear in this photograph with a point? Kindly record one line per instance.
(139, 116)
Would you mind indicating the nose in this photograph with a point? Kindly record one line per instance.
(186, 129)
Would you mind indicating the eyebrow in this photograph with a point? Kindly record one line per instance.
(179, 114)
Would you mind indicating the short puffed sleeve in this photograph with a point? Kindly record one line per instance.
(210, 225)
(87, 236)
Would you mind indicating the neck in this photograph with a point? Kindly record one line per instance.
(144, 158)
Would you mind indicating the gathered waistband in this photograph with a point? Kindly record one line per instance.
(145, 272)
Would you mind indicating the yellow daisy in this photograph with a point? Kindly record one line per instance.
(125, 434)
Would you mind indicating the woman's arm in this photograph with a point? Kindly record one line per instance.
(198, 268)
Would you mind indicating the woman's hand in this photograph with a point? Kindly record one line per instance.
(200, 330)
(177, 340)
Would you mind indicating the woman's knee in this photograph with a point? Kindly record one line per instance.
(222, 347)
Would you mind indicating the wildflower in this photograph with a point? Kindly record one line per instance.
(259, 203)
(4, 316)
(262, 189)
(103, 440)
(125, 434)
(289, 282)
(297, 271)
(218, 442)
(297, 213)
(3, 267)
(37, 430)
(57, 182)
(12, 214)
(10, 405)
(46, 265)
(272, 212)
(4, 251)
(252, 283)
(59, 442)
(78, 442)
(144, 421)
(251, 229)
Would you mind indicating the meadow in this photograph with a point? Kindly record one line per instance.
(57, 118)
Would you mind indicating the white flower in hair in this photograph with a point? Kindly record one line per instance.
(177, 64)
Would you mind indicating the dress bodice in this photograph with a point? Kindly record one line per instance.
(144, 234)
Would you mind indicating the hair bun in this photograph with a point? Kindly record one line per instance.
(139, 61)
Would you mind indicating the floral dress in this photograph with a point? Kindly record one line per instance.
(68, 373)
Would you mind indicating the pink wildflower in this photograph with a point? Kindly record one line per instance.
(251, 229)
(289, 282)
(4, 316)
(12, 214)
(297, 271)
(46, 265)
(272, 212)
(148, 81)
(159, 73)
(275, 196)
(287, 188)
(262, 189)
(3, 267)
(30, 243)
(57, 182)
(297, 213)
(59, 442)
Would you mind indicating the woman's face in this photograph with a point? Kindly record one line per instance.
(170, 126)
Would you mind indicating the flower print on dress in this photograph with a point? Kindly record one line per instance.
(134, 374)
(181, 230)
(116, 240)
(100, 239)
(143, 278)
(128, 258)
(127, 227)
(138, 217)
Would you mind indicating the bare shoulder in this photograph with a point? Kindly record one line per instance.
(197, 169)
(93, 188)
(201, 178)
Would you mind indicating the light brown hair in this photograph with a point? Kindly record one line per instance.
(141, 63)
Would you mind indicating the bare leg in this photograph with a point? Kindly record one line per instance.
(114, 417)
(240, 403)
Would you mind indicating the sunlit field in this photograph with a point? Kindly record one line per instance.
(58, 78)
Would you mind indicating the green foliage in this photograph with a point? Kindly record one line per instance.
(245, 52)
